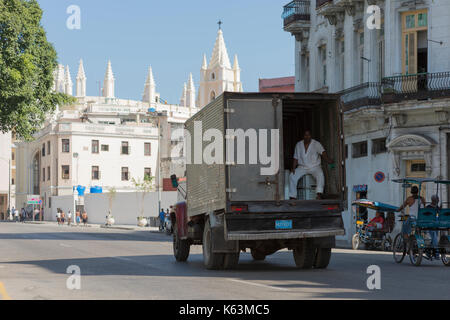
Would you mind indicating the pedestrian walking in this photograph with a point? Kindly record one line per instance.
(63, 217)
(58, 217)
(23, 214)
(84, 217)
(77, 218)
(16, 214)
(69, 218)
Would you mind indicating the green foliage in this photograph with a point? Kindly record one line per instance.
(27, 62)
(144, 186)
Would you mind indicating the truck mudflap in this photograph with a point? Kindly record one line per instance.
(283, 226)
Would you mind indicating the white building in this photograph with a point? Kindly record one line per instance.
(395, 87)
(102, 141)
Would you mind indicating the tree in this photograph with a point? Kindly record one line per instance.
(111, 196)
(27, 63)
(144, 186)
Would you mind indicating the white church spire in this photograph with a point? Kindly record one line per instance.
(109, 82)
(220, 54)
(205, 63)
(150, 88)
(68, 84)
(183, 96)
(190, 93)
(81, 80)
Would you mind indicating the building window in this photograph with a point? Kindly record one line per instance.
(105, 147)
(125, 148)
(346, 151)
(95, 145)
(43, 150)
(48, 147)
(65, 145)
(65, 172)
(147, 172)
(415, 42)
(147, 149)
(322, 67)
(125, 174)
(359, 149)
(213, 96)
(48, 173)
(43, 174)
(13, 156)
(95, 173)
(418, 167)
(379, 146)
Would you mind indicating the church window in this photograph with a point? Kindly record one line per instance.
(213, 76)
(213, 95)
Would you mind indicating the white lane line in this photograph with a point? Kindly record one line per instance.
(258, 285)
(65, 245)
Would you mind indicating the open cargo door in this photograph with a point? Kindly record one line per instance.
(247, 180)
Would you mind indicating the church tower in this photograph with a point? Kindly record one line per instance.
(108, 82)
(218, 76)
(190, 93)
(149, 95)
(81, 81)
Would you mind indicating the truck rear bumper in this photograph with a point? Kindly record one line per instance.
(294, 234)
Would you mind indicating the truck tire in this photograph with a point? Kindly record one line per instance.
(211, 260)
(181, 248)
(258, 255)
(304, 255)
(230, 261)
(323, 257)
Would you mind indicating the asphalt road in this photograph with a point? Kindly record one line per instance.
(139, 265)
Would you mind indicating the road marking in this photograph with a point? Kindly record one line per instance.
(65, 245)
(3, 292)
(259, 285)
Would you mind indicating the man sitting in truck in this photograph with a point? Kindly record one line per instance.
(308, 157)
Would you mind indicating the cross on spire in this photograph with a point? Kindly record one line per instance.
(220, 24)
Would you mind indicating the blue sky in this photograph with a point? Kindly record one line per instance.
(171, 36)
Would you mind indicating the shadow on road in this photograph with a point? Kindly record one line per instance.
(346, 276)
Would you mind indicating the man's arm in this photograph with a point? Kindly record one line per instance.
(326, 158)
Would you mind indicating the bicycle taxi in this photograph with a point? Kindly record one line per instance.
(431, 223)
(378, 238)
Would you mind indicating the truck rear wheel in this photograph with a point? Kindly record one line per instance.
(258, 255)
(304, 254)
(181, 248)
(323, 257)
(211, 260)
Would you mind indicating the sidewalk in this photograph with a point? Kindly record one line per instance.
(92, 225)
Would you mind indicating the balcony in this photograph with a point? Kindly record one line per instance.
(297, 18)
(423, 86)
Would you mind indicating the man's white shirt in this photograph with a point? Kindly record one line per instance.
(309, 159)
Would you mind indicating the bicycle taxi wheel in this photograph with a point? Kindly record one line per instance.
(399, 248)
(415, 253)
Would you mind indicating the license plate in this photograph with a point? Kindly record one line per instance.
(283, 224)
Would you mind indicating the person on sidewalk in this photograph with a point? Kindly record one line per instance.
(162, 216)
(84, 217)
(63, 217)
(16, 214)
(78, 218)
(58, 217)
(69, 218)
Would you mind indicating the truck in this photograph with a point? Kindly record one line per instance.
(239, 152)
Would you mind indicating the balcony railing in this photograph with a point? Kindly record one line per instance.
(296, 11)
(396, 89)
(366, 94)
(320, 3)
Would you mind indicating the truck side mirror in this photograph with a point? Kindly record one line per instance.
(174, 181)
